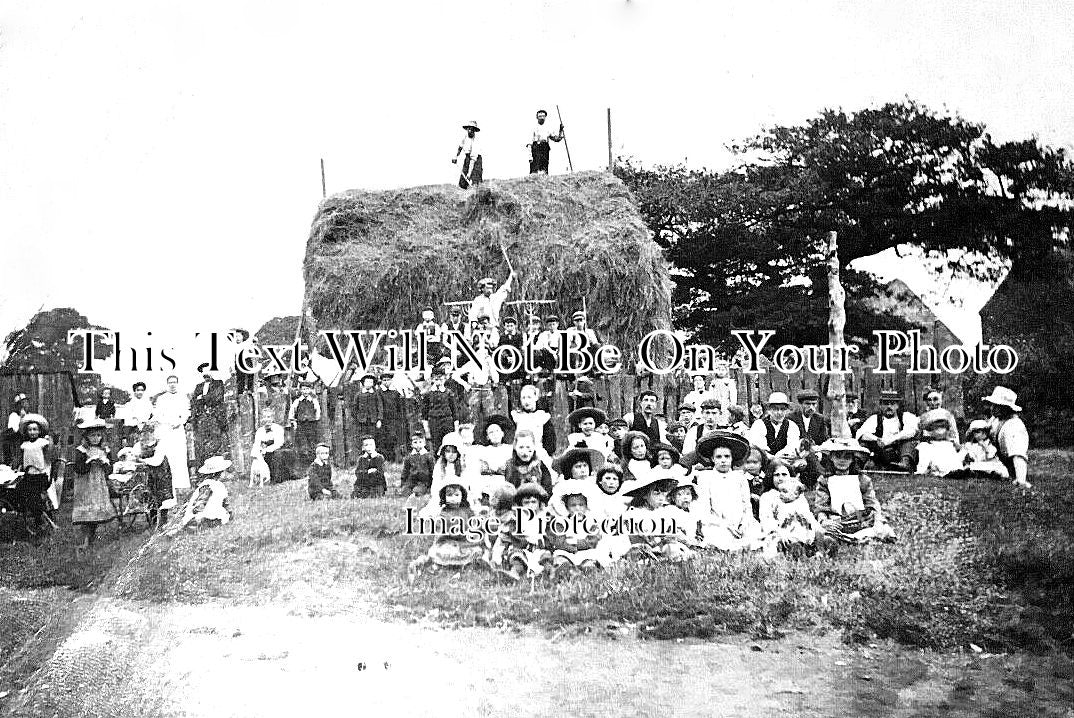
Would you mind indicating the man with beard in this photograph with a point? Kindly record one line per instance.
(889, 434)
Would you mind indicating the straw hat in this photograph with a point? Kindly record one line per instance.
(934, 416)
(842, 444)
(41, 421)
(685, 482)
(778, 397)
(452, 439)
(471, 124)
(661, 446)
(1002, 396)
(92, 424)
(978, 424)
(713, 440)
(572, 487)
(214, 465)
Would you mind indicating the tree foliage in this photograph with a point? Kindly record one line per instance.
(747, 244)
(42, 346)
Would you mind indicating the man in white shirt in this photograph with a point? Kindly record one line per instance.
(490, 302)
(890, 434)
(138, 411)
(774, 433)
(171, 413)
(268, 440)
(539, 147)
(472, 162)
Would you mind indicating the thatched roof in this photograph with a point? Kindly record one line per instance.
(375, 259)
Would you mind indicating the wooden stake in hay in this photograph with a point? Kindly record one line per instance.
(375, 259)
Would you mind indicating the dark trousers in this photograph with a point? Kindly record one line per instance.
(539, 152)
(897, 457)
(307, 434)
(244, 383)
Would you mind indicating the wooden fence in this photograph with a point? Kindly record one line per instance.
(617, 395)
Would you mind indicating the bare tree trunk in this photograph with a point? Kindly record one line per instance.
(837, 319)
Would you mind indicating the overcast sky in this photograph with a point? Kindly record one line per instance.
(159, 161)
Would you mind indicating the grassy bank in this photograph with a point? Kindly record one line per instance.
(975, 562)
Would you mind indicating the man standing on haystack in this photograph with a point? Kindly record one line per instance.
(539, 147)
(470, 151)
(489, 302)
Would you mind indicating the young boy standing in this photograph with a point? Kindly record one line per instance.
(305, 418)
(369, 482)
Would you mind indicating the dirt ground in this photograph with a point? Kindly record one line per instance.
(130, 659)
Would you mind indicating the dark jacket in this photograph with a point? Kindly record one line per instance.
(819, 430)
(364, 477)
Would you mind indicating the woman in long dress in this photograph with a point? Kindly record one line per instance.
(171, 412)
(92, 504)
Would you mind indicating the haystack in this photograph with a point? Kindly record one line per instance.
(375, 259)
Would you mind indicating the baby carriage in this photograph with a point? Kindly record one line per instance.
(128, 489)
(28, 501)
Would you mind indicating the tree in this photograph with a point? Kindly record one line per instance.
(748, 244)
(42, 346)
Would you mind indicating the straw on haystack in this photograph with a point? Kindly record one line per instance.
(375, 259)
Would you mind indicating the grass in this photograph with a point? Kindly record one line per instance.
(975, 562)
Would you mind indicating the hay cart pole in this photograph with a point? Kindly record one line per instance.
(837, 319)
(324, 187)
(563, 134)
(609, 139)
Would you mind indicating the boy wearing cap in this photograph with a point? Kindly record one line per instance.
(368, 406)
(774, 433)
(889, 434)
(580, 336)
(439, 409)
(547, 347)
(811, 424)
(434, 340)
(490, 302)
(710, 421)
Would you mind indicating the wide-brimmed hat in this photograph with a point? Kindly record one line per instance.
(661, 446)
(740, 448)
(587, 412)
(978, 424)
(214, 465)
(452, 438)
(572, 487)
(505, 424)
(90, 425)
(778, 397)
(570, 457)
(642, 485)
(1002, 396)
(933, 416)
(808, 395)
(41, 421)
(471, 123)
(18, 397)
(685, 482)
(528, 489)
(842, 444)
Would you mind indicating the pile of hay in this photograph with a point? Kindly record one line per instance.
(375, 259)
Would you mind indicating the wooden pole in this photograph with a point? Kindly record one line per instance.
(609, 139)
(563, 134)
(837, 319)
(324, 187)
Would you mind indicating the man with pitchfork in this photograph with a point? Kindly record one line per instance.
(470, 151)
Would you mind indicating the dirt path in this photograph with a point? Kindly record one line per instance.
(131, 659)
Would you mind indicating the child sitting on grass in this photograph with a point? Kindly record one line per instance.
(753, 467)
(787, 522)
(417, 474)
(520, 548)
(667, 462)
(981, 454)
(579, 545)
(846, 503)
(724, 494)
(369, 479)
(452, 547)
(681, 508)
(649, 514)
(449, 468)
(208, 504)
(937, 455)
(319, 475)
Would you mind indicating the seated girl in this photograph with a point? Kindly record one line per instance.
(454, 546)
(208, 505)
(611, 501)
(682, 508)
(787, 522)
(982, 457)
(937, 455)
(636, 460)
(521, 547)
(525, 465)
(583, 423)
(846, 503)
(649, 515)
(578, 463)
(727, 522)
(490, 458)
(754, 468)
(667, 462)
(580, 545)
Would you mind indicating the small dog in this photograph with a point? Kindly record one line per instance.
(259, 472)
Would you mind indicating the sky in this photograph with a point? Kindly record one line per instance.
(159, 162)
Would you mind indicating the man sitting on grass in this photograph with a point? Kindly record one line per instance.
(889, 435)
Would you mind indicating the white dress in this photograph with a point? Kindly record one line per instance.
(171, 413)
